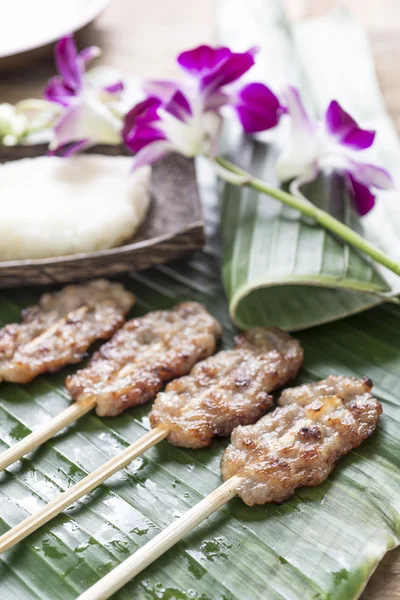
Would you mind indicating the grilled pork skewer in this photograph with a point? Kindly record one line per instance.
(297, 444)
(146, 353)
(132, 367)
(300, 443)
(59, 330)
(229, 389)
(221, 392)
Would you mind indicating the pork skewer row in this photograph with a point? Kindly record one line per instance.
(132, 367)
(55, 333)
(298, 444)
(228, 389)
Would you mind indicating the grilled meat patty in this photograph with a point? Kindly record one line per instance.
(60, 329)
(146, 353)
(228, 389)
(300, 442)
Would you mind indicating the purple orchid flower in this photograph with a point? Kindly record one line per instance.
(86, 116)
(215, 68)
(187, 117)
(330, 145)
(213, 82)
(154, 128)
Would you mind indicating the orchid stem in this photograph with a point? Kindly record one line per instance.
(320, 216)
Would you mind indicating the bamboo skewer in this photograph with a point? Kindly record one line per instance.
(71, 414)
(68, 416)
(55, 425)
(36, 438)
(142, 558)
(89, 483)
(81, 407)
(68, 497)
(334, 403)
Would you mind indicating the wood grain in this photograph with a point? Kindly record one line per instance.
(143, 38)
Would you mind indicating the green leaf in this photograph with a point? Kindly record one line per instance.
(322, 544)
(279, 268)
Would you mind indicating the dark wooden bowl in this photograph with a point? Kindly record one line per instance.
(172, 227)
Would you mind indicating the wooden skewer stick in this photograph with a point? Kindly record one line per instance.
(36, 438)
(68, 416)
(89, 483)
(132, 566)
(71, 414)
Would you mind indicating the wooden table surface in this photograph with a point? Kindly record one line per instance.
(143, 38)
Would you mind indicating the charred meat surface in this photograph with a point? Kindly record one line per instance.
(60, 329)
(146, 353)
(299, 443)
(228, 389)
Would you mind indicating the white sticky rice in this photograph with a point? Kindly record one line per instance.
(54, 206)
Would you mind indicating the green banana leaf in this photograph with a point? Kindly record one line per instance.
(279, 268)
(322, 544)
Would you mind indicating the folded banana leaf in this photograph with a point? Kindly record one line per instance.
(279, 268)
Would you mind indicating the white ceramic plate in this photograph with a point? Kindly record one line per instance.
(29, 24)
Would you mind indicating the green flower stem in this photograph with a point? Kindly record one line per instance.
(310, 210)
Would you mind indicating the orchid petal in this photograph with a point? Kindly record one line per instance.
(114, 88)
(186, 136)
(152, 154)
(70, 149)
(372, 175)
(358, 139)
(142, 114)
(258, 108)
(345, 129)
(360, 178)
(216, 67)
(365, 173)
(202, 58)
(363, 198)
(142, 137)
(302, 151)
(227, 71)
(302, 122)
(89, 53)
(68, 63)
(57, 91)
(179, 106)
(216, 100)
(88, 120)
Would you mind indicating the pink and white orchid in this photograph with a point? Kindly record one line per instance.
(154, 128)
(86, 115)
(187, 117)
(332, 145)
